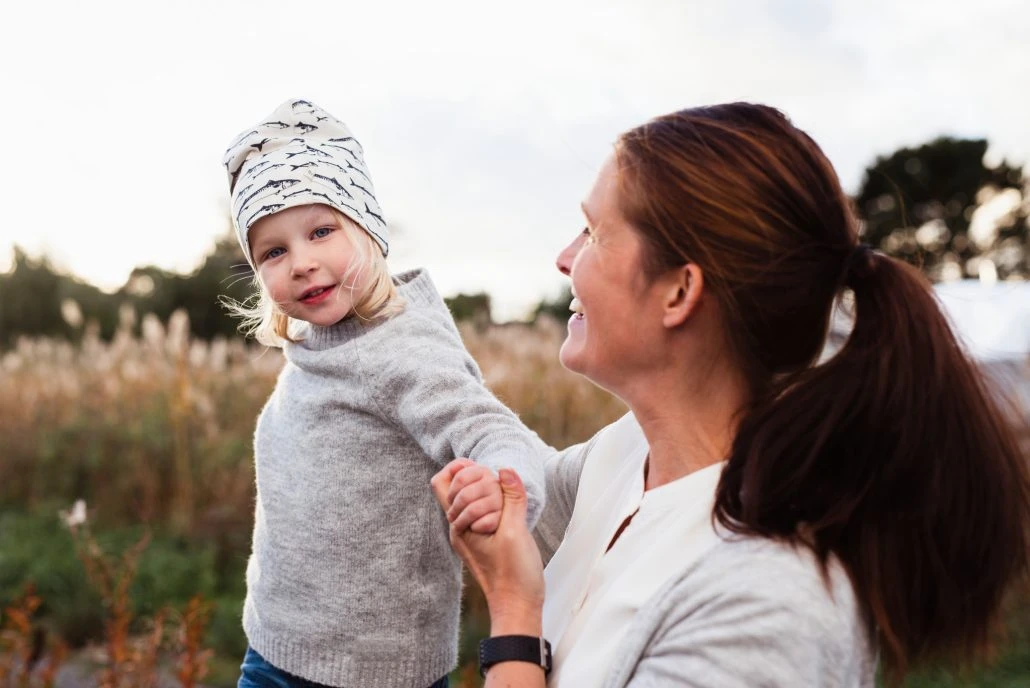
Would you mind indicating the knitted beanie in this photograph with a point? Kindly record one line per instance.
(297, 156)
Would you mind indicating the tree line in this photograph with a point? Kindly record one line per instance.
(938, 205)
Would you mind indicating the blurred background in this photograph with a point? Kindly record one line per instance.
(123, 383)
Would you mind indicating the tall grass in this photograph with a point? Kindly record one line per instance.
(150, 429)
(157, 429)
(154, 431)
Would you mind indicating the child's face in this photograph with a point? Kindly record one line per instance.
(303, 256)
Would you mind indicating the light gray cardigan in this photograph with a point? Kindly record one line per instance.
(750, 613)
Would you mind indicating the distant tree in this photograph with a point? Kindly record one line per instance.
(224, 272)
(473, 308)
(557, 308)
(36, 300)
(39, 301)
(917, 204)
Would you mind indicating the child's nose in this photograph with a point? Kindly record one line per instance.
(303, 263)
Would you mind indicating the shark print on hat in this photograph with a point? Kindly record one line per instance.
(298, 155)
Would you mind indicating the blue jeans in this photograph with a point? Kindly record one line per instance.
(255, 672)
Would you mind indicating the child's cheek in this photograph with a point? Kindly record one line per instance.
(273, 284)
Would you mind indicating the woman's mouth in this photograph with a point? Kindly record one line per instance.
(576, 307)
(316, 295)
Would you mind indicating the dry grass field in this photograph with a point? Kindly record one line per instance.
(153, 430)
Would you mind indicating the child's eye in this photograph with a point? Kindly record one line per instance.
(322, 232)
(274, 253)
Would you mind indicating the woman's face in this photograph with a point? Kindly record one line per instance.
(614, 322)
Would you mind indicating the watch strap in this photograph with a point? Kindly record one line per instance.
(514, 648)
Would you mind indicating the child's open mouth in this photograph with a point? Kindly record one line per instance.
(316, 295)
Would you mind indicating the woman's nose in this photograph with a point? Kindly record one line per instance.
(568, 255)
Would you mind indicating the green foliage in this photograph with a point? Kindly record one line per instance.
(557, 308)
(473, 308)
(937, 186)
(37, 548)
(171, 571)
(35, 297)
(31, 297)
(225, 272)
(225, 631)
(1011, 669)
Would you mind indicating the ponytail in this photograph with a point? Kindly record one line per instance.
(894, 457)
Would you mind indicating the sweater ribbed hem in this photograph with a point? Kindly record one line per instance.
(414, 286)
(415, 666)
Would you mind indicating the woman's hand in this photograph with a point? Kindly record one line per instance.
(506, 564)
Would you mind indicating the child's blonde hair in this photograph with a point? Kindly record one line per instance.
(262, 318)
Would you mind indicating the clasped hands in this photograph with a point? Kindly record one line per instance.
(487, 515)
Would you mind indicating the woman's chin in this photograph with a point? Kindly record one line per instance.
(570, 355)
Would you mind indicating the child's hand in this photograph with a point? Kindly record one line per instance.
(476, 500)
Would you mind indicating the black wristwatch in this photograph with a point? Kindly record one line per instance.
(514, 648)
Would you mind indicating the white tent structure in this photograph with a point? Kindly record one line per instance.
(991, 320)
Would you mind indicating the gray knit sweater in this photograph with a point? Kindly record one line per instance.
(352, 580)
(750, 613)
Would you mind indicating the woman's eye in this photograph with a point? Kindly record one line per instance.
(322, 232)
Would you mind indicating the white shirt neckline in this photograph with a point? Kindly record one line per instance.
(593, 592)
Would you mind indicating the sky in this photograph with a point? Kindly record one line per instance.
(483, 124)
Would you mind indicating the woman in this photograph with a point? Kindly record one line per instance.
(760, 518)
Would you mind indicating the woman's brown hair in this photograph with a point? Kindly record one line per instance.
(892, 455)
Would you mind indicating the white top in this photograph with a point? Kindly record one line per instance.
(592, 595)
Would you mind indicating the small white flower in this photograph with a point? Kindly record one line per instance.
(77, 516)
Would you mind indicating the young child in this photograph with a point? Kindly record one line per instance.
(352, 580)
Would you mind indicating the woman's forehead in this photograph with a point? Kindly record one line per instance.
(603, 196)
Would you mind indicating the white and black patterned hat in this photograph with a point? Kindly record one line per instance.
(299, 155)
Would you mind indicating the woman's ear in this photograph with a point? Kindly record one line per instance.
(683, 294)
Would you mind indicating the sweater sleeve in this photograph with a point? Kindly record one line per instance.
(429, 385)
(561, 474)
(762, 619)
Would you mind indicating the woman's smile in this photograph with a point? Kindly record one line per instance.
(576, 306)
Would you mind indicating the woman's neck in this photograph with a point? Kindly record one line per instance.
(688, 427)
